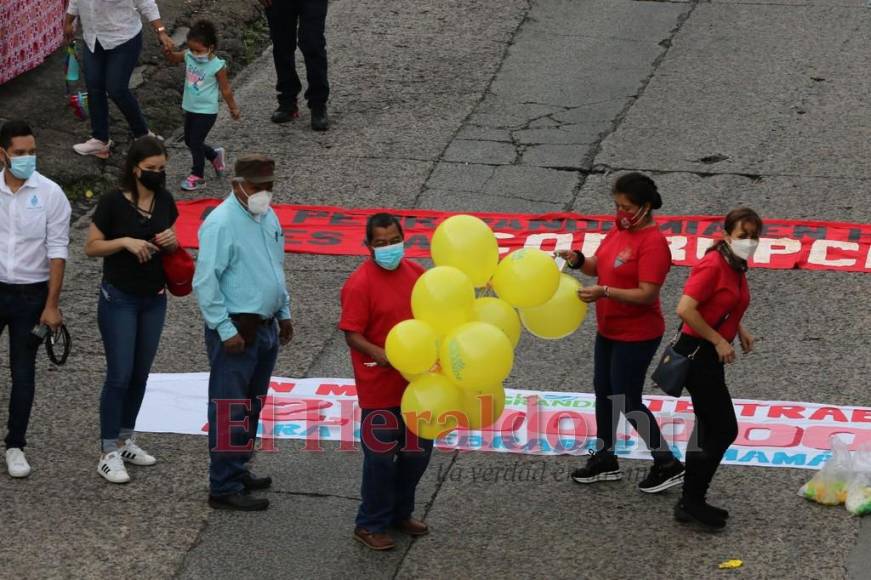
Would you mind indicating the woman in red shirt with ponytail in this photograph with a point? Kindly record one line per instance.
(631, 264)
(714, 301)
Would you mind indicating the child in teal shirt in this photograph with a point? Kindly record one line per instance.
(205, 75)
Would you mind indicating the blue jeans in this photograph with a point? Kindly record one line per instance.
(238, 380)
(394, 460)
(130, 326)
(20, 309)
(620, 368)
(107, 74)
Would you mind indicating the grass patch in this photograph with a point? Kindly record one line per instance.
(255, 39)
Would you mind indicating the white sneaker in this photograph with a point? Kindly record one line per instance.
(16, 463)
(93, 147)
(133, 453)
(112, 468)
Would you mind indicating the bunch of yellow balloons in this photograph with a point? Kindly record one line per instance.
(458, 349)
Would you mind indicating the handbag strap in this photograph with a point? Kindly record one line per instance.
(715, 327)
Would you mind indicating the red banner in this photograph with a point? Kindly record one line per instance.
(785, 244)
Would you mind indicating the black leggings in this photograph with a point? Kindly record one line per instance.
(196, 129)
(716, 426)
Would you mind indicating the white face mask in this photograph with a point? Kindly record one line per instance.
(744, 248)
(258, 203)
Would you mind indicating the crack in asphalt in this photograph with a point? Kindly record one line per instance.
(314, 494)
(508, 44)
(439, 483)
(602, 168)
(666, 45)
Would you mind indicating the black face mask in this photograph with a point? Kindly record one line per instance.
(153, 180)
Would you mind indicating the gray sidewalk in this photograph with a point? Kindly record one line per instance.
(510, 106)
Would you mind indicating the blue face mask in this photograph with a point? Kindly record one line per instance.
(388, 257)
(22, 167)
(201, 58)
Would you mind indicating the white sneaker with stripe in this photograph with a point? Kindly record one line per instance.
(133, 453)
(111, 467)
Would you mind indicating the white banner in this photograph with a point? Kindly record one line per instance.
(771, 433)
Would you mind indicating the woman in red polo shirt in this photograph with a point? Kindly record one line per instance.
(714, 301)
(631, 264)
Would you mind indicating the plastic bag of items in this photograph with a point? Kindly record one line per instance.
(859, 490)
(829, 485)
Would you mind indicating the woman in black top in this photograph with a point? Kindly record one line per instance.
(130, 228)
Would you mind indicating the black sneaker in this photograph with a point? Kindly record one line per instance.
(239, 502)
(600, 466)
(286, 113)
(320, 120)
(688, 511)
(662, 476)
(252, 482)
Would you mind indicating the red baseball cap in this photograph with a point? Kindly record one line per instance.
(178, 268)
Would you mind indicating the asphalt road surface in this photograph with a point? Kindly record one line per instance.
(507, 105)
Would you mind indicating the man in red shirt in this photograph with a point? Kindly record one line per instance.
(375, 298)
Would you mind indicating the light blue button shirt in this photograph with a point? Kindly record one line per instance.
(240, 267)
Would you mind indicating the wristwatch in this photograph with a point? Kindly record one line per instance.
(161, 29)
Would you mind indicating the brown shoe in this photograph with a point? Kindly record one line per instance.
(413, 527)
(375, 541)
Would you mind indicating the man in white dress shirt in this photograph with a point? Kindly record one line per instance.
(34, 239)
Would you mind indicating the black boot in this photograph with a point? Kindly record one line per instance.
(724, 514)
(286, 113)
(689, 510)
(239, 502)
(320, 121)
(252, 482)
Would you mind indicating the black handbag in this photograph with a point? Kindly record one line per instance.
(670, 374)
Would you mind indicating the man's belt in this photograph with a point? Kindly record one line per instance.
(252, 319)
(247, 325)
(34, 287)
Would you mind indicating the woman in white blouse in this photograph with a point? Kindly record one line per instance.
(112, 30)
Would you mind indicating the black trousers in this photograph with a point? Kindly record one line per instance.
(20, 309)
(716, 426)
(303, 22)
(196, 129)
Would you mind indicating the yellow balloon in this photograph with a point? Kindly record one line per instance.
(411, 378)
(443, 296)
(467, 243)
(526, 278)
(412, 347)
(476, 353)
(483, 406)
(432, 406)
(558, 317)
(500, 314)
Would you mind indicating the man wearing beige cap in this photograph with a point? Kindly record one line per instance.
(241, 291)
